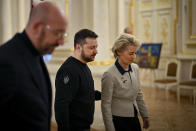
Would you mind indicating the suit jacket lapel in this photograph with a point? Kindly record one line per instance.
(46, 74)
(29, 63)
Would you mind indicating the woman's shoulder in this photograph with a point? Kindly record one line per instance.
(134, 65)
(111, 69)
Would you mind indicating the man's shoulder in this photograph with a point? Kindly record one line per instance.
(69, 63)
(68, 66)
(68, 69)
(11, 46)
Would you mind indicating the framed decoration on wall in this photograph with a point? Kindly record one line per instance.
(148, 55)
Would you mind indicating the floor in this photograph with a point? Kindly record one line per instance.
(169, 115)
(165, 115)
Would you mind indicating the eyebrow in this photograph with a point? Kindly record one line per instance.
(132, 52)
(92, 46)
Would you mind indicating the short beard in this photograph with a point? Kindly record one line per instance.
(87, 59)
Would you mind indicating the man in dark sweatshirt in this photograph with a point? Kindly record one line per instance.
(75, 94)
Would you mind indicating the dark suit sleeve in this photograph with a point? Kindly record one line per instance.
(7, 84)
(66, 89)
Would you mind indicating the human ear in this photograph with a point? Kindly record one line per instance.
(118, 53)
(77, 46)
(37, 27)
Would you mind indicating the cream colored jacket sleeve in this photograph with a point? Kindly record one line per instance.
(106, 99)
(140, 99)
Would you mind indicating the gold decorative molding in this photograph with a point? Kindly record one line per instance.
(64, 50)
(67, 15)
(190, 21)
(146, 4)
(110, 48)
(175, 25)
(147, 28)
(70, 49)
(135, 19)
(190, 52)
(130, 14)
(102, 63)
(163, 2)
(164, 31)
(132, 7)
(190, 43)
(66, 7)
(193, 36)
(164, 26)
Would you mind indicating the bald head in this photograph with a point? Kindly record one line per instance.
(46, 27)
(44, 11)
(128, 30)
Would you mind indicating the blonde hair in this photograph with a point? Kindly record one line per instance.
(122, 42)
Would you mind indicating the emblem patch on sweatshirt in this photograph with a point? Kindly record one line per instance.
(66, 80)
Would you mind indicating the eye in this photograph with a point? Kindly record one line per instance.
(92, 47)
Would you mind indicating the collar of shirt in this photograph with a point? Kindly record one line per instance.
(120, 69)
(30, 45)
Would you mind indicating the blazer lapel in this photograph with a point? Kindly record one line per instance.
(46, 74)
(30, 63)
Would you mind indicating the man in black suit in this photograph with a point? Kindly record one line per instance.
(25, 88)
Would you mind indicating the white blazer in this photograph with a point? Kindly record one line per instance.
(119, 93)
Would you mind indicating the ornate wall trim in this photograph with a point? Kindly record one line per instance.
(190, 20)
(175, 25)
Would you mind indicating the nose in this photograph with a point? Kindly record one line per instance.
(134, 56)
(95, 51)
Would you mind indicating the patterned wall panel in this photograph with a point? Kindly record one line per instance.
(192, 19)
(164, 3)
(164, 31)
(155, 24)
(146, 4)
(146, 27)
(189, 27)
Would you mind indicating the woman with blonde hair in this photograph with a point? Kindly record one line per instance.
(122, 97)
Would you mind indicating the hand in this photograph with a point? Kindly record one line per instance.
(146, 122)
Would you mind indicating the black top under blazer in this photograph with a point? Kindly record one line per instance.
(25, 88)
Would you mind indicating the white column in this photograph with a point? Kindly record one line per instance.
(121, 16)
(126, 12)
(22, 20)
(75, 21)
(101, 27)
(6, 20)
(1, 17)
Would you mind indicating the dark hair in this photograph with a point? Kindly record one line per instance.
(82, 34)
